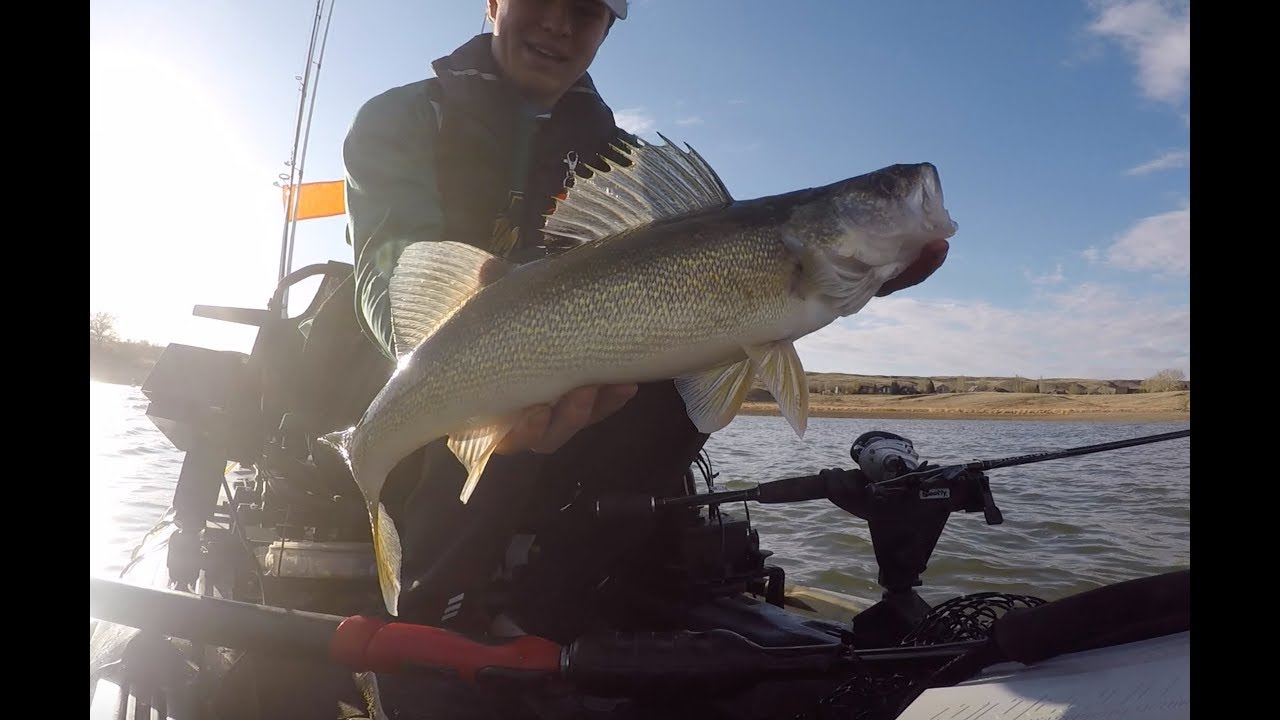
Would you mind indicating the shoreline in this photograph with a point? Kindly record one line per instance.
(874, 413)
(1161, 407)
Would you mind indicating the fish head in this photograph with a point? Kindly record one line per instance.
(887, 215)
(856, 234)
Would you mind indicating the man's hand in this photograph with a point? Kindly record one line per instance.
(931, 258)
(544, 428)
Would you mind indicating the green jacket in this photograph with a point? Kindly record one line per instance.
(459, 156)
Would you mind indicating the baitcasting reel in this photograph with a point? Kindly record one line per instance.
(883, 455)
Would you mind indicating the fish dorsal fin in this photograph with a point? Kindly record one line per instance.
(661, 182)
(432, 280)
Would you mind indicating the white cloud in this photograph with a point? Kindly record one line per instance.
(1157, 34)
(1049, 278)
(1161, 243)
(691, 120)
(1165, 161)
(1087, 331)
(638, 121)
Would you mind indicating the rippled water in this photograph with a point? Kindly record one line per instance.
(1069, 525)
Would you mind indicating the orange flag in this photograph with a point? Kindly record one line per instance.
(318, 199)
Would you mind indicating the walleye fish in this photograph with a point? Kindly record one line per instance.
(671, 279)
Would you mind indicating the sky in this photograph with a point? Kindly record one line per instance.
(1061, 131)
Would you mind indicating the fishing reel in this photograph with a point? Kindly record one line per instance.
(883, 455)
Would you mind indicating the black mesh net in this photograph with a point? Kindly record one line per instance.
(966, 618)
(872, 694)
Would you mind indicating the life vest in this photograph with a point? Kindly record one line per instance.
(499, 164)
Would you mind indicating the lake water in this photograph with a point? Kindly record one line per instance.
(1069, 525)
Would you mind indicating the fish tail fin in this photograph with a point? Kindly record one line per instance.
(386, 548)
(386, 539)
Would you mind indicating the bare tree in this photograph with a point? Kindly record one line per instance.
(1163, 381)
(102, 328)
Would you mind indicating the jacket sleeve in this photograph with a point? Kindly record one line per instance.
(391, 195)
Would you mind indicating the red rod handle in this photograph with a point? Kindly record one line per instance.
(365, 643)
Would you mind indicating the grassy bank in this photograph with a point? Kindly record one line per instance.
(122, 362)
(1169, 406)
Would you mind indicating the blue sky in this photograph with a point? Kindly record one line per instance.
(1061, 131)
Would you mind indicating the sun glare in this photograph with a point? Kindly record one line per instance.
(181, 213)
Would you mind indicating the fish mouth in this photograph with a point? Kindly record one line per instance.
(936, 222)
(912, 202)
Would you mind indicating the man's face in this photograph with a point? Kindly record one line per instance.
(544, 46)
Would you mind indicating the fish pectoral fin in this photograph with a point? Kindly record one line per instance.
(431, 281)
(712, 397)
(473, 447)
(779, 369)
(386, 548)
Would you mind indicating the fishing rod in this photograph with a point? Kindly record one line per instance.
(301, 136)
(888, 463)
(984, 465)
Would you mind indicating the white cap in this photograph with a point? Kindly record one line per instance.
(619, 7)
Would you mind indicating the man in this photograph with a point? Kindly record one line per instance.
(476, 154)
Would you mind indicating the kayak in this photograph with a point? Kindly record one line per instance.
(1068, 660)
(256, 593)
